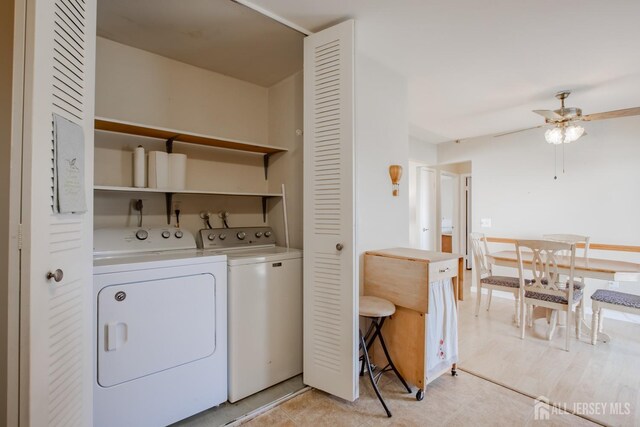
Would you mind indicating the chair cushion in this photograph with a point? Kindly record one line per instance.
(577, 294)
(617, 298)
(507, 282)
(376, 307)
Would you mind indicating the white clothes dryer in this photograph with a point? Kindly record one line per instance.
(160, 327)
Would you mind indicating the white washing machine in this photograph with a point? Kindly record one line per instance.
(264, 307)
(160, 327)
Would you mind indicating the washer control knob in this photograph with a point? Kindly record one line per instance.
(259, 234)
(166, 234)
(142, 234)
(267, 234)
(223, 236)
(241, 235)
(179, 234)
(211, 236)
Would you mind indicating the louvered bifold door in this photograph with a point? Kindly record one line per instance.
(330, 289)
(55, 328)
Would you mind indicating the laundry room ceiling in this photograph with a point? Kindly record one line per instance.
(216, 35)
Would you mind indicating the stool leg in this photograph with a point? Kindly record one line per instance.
(386, 353)
(366, 337)
(363, 345)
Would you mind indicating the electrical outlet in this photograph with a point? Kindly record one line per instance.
(485, 222)
(613, 285)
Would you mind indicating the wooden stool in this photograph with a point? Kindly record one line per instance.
(377, 310)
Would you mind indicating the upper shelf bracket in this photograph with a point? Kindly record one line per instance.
(169, 144)
(265, 160)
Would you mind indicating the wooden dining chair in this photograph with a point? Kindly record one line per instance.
(576, 239)
(487, 280)
(546, 288)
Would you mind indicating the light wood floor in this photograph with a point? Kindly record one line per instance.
(490, 345)
(460, 401)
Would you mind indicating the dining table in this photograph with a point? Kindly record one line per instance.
(593, 268)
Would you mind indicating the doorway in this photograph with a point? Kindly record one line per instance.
(427, 208)
(449, 212)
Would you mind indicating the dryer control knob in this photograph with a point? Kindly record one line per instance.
(142, 234)
(241, 235)
(259, 234)
(179, 234)
(211, 236)
(222, 236)
(166, 234)
(267, 234)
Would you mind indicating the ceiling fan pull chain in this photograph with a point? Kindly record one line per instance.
(555, 162)
(563, 158)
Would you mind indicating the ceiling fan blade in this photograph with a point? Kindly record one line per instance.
(549, 115)
(518, 131)
(613, 114)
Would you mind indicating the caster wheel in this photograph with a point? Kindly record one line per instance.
(419, 395)
(454, 373)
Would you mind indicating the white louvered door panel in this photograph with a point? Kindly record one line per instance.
(55, 352)
(330, 289)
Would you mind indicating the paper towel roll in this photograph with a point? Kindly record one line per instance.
(177, 171)
(158, 169)
(139, 168)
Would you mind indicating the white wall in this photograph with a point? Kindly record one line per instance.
(381, 140)
(285, 118)
(421, 154)
(138, 86)
(135, 85)
(599, 195)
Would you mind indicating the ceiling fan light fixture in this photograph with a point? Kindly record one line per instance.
(554, 136)
(563, 134)
(572, 133)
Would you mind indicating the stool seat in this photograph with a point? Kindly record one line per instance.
(376, 307)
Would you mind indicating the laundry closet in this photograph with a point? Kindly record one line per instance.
(198, 142)
(255, 98)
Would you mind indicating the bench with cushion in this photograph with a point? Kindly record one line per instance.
(611, 300)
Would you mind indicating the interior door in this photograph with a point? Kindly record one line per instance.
(330, 287)
(55, 334)
(427, 208)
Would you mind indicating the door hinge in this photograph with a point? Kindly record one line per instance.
(19, 237)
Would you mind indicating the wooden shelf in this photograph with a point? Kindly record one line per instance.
(111, 125)
(168, 190)
(171, 136)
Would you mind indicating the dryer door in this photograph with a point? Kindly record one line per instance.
(149, 326)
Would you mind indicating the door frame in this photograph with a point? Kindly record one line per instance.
(10, 370)
(465, 218)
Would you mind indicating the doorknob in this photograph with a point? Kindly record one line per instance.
(56, 275)
(425, 229)
(339, 246)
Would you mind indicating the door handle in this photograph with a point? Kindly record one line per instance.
(339, 246)
(425, 229)
(56, 275)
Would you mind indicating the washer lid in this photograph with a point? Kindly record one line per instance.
(253, 256)
(150, 260)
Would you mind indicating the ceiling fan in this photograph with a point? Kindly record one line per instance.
(563, 122)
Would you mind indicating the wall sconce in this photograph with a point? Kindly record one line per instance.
(395, 172)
